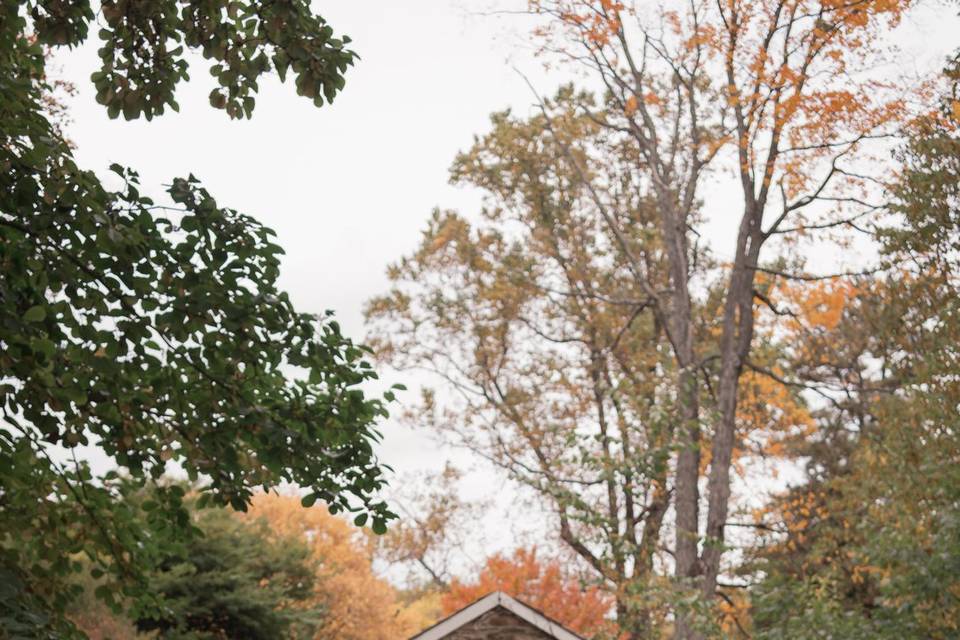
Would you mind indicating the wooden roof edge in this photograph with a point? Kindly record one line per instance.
(489, 602)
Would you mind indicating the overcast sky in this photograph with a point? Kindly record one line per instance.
(348, 187)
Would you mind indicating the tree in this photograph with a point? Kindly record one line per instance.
(542, 585)
(531, 317)
(876, 555)
(562, 377)
(234, 580)
(866, 545)
(777, 90)
(276, 566)
(357, 604)
(435, 525)
(155, 333)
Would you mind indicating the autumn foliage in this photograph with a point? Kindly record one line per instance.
(544, 585)
(359, 604)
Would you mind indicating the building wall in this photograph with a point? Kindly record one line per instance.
(498, 624)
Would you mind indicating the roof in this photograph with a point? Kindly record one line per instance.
(489, 602)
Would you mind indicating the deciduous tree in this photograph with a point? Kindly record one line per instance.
(533, 319)
(154, 333)
(777, 91)
(357, 604)
(562, 376)
(868, 545)
(542, 584)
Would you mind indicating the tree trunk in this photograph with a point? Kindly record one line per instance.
(686, 482)
(687, 478)
(738, 321)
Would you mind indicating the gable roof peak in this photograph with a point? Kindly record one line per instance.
(491, 601)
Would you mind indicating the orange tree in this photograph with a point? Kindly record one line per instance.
(541, 584)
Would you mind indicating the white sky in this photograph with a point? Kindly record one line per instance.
(349, 187)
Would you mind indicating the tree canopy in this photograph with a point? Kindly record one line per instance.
(154, 331)
(543, 584)
(233, 580)
(868, 545)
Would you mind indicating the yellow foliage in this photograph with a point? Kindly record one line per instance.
(768, 412)
(359, 604)
(422, 612)
(734, 609)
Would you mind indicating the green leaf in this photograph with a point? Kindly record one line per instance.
(44, 346)
(35, 314)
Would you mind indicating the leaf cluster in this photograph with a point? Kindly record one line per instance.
(145, 43)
